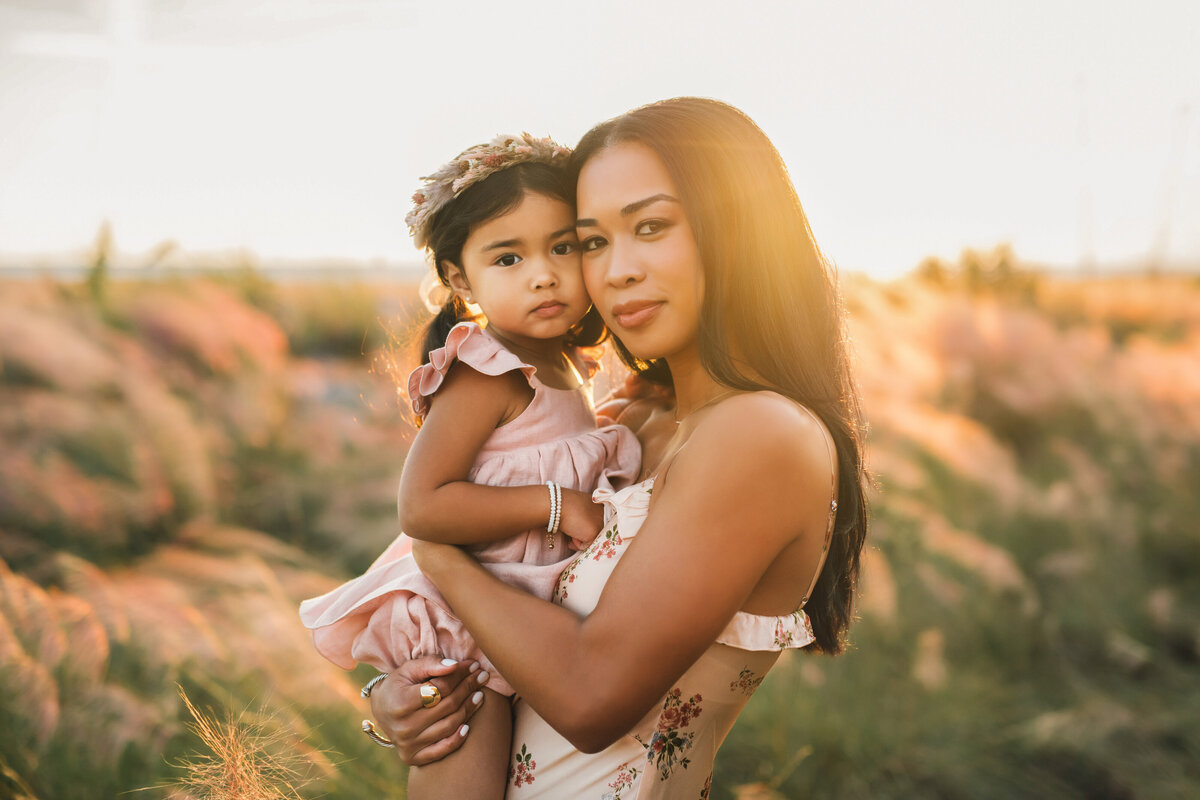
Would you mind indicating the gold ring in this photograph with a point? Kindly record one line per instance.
(373, 735)
(430, 696)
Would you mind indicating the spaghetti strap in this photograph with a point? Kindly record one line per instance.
(832, 516)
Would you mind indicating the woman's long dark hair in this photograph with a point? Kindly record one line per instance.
(772, 316)
(496, 194)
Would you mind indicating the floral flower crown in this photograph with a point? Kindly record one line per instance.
(471, 166)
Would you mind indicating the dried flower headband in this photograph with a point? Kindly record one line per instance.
(471, 166)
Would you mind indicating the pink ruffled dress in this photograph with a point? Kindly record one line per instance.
(392, 612)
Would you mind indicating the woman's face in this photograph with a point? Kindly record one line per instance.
(641, 264)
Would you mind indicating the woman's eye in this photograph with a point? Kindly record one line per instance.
(592, 243)
(507, 260)
(563, 248)
(650, 226)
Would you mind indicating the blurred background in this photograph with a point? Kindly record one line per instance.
(204, 278)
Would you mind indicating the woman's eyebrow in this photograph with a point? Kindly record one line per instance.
(632, 208)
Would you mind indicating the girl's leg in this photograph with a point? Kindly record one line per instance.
(479, 769)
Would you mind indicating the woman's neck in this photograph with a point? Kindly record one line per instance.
(694, 387)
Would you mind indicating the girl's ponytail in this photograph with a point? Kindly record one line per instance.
(452, 312)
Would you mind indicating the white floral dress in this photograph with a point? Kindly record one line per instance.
(670, 753)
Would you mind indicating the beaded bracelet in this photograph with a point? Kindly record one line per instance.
(555, 513)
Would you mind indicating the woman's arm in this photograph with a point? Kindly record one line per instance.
(753, 478)
(437, 502)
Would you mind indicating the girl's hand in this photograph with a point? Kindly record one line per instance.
(424, 735)
(581, 518)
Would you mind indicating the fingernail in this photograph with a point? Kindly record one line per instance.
(463, 731)
(474, 666)
(483, 676)
(477, 698)
(448, 662)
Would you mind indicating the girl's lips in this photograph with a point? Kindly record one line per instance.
(549, 309)
(634, 315)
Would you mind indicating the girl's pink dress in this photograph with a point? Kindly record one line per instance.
(392, 613)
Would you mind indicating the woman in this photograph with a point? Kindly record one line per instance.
(742, 538)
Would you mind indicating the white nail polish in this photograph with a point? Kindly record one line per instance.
(477, 698)
(448, 662)
(463, 730)
(474, 666)
(483, 676)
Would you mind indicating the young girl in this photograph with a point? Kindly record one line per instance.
(508, 451)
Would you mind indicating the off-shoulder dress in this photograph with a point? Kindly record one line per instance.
(669, 754)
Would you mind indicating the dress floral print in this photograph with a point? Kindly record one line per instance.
(668, 746)
(622, 783)
(746, 682)
(521, 772)
(602, 547)
(605, 545)
(668, 755)
(562, 589)
(785, 635)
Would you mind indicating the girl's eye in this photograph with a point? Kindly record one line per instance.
(592, 243)
(507, 260)
(650, 227)
(563, 248)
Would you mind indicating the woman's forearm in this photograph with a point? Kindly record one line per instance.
(552, 641)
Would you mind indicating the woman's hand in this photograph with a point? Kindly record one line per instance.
(581, 518)
(646, 409)
(431, 556)
(424, 735)
(629, 398)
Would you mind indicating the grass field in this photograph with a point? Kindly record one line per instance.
(183, 460)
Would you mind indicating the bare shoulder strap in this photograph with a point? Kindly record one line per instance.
(832, 503)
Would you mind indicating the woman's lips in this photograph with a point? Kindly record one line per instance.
(635, 314)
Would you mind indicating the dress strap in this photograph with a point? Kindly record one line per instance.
(832, 517)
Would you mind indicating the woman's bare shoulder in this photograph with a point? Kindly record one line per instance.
(770, 435)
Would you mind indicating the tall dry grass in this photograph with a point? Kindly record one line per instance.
(243, 759)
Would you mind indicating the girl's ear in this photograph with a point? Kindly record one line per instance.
(457, 280)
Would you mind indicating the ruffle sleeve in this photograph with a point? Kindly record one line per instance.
(467, 343)
(757, 632)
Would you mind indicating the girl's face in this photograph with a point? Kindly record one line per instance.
(640, 260)
(522, 269)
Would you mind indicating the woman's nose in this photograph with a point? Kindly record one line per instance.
(623, 268)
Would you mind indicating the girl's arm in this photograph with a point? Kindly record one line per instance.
(437, 502)
(753, 478)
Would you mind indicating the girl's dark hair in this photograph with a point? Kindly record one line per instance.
(496, 194)
(772, 316)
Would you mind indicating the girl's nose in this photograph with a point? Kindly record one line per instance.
(545, 279)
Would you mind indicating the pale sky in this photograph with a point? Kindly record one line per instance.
(299, 128)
